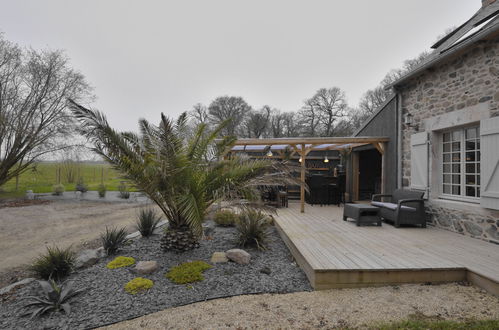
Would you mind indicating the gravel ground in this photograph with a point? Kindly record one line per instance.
(105, 301)
(345, 308)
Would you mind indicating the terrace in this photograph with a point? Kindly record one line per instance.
(337, 254)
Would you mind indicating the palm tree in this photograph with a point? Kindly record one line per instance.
(183, 175)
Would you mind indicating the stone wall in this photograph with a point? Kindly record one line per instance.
(468, 223)
(467, 80)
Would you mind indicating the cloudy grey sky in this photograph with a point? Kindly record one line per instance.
(144, 57)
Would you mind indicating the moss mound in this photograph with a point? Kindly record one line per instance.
(138, 284)
(188, 272)
(225, 218)
(119, 262)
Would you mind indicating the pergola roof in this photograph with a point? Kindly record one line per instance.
(304, 145)
(310, 144)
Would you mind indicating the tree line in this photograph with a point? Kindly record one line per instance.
(326, 113)
(34, 119)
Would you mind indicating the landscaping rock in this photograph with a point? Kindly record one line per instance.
(146, 267)
(239, 256)
(87, 258)
(7, 289)
(265, 270)
(218, 257)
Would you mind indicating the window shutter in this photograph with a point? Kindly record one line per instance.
(419, 161)
(489, 164)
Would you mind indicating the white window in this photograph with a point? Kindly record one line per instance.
(461, 162)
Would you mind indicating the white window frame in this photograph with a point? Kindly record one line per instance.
(462, 184)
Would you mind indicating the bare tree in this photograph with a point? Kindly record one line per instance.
(331, 104)
(199, 114)
(256, 122)
(310, 118)
(373, 99)
(228, 107)
(34, 86)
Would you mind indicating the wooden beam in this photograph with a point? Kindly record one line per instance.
(316, 140)
(302, 178)
(383, 166)
(380, 146)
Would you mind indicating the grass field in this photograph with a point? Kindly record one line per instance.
(43, 176)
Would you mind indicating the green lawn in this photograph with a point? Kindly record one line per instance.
(43, 176)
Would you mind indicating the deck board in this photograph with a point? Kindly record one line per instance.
(334, 251)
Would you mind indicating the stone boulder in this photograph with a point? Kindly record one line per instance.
(239, 256)
(87, 258)
(145, 267)
(218, 257)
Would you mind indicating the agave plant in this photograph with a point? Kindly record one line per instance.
(53, 297)
(183, 175)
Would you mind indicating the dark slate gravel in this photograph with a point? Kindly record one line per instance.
(105, 300)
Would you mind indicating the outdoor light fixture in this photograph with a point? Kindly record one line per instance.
(300, 160)
(269, 153)
(408, 120)
(326, 160)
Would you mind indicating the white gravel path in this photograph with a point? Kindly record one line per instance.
(326, 309)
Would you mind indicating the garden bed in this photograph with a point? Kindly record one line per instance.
(105, 300)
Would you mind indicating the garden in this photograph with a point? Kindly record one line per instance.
(217, 240)
(137, 276)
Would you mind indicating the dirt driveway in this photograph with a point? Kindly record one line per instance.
(26, 231)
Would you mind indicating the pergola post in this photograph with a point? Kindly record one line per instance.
(302, 183)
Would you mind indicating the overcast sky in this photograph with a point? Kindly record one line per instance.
(146, 57)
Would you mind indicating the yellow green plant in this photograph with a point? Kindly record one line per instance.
(188, 272)
(119, 262)
(138, 284)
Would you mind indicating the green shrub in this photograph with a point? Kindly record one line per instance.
(81, 186)
(147, 221)
(252, 229)
(53, 298)
(113, 239)
(225, 218)
(58, 189)
(120, 262)
(55, 264)
(102, 191)
(188, 272)
(138, 284)
(123, 189)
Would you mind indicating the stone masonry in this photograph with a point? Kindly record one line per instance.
(467, 80)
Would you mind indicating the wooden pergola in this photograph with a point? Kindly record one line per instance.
(303, 146)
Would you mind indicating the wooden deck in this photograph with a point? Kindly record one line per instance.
(336, 253)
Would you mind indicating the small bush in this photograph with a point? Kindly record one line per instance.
(123, 189)
(252, 229)
(55, 264)
(147, 221)
(113, 239)
(188, 272)
(58, 189)
(225, 218)
(81, 186)
(53, 298)
(102, 191)
(138, 284)
(120, 262)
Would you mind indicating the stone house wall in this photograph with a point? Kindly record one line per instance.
(467, 81)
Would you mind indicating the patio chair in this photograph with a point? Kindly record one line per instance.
(406, 207)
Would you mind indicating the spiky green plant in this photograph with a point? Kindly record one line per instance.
(252, 229)
(183, 175)
(53, 297)
(147, 221)
(56, 263)
(112, 239)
